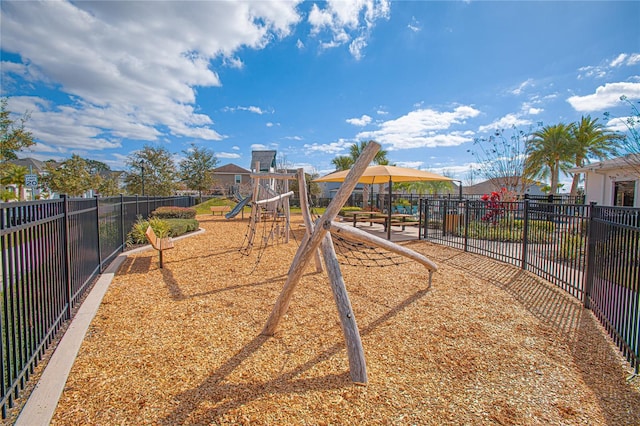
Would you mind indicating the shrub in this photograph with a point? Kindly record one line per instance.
(137, 235)
(179, 227)
(161, 227)
(174, 213)
(348, 209)
(571, 247)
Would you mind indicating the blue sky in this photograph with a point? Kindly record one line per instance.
(102, 79)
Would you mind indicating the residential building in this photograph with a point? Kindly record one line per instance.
(614, 182)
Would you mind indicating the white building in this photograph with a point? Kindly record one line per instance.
(614, 182)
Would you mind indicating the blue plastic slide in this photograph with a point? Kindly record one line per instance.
(238, 208)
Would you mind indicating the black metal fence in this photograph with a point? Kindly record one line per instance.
(51, 252)
(591, 252)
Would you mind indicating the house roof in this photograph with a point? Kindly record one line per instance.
(231, 169)
(611, 164)
(267, 160)
(495, 184)
(36, 166)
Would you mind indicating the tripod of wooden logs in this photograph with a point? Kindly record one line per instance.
(317, 242)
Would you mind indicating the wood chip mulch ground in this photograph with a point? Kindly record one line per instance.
(486, 344)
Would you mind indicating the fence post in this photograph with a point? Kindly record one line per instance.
(420, 216)
(591, 252)
(466, 225)
(67, 254)
(122, 231)
(525, 234)
(98, 226)
(137, 206)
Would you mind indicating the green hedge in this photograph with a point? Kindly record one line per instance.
(161, 227)
(174, 213)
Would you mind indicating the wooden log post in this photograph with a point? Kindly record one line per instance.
(305, 251)
(306, 212)
(355, 352)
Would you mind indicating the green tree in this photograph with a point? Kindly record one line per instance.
(13, 136)
(196, 170)
(108, 185)
(590, 139)
(13, 174)
(152, 171)
(549, 152)
(342, 162)
(71, 177)
(313, 189)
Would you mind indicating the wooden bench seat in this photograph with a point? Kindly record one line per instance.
(160, 244)
(221, 209)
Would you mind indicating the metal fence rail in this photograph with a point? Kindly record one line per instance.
(557, 242)
(612, 288)
(51, 251)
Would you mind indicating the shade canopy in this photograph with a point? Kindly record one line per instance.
(384, 174)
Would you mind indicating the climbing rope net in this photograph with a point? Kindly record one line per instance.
(356, 253)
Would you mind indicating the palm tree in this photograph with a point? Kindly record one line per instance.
(344, 162)
(14, 175)
(548, 152)
(590, 139)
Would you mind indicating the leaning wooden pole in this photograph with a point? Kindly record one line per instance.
(305, 251)
(306, 212)
(355, 352)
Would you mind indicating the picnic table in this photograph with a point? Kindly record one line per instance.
(397, 219)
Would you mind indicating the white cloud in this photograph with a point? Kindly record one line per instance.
(357, 46)
(506, 122)
(535, 111)
(227, 155)
(410, 164)
(253, 109)
(605, 97)
(362, 121)
(603, 69)
(619, 60)
(329, 148)
(105, 56)
(414, 25)
(633, 59)
(518, 90)
(622, 124)
(233, 63)
(422, 128)
(340, 22)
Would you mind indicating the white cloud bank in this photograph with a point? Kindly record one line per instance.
(347, 22)
(606, 96)
(423, 128)
(130, 69)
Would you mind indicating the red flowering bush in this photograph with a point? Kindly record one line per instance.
(494, 205)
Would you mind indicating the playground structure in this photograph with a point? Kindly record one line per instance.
(318, 242)
(269, 205)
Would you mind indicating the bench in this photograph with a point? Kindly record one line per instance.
(221, 209)
(160, 244)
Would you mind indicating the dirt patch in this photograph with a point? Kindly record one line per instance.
(485, 344)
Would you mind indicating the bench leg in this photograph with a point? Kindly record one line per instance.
(160, 251)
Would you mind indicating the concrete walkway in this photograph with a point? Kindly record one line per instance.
(42, 403)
